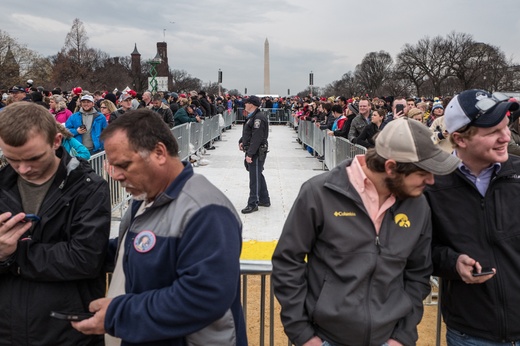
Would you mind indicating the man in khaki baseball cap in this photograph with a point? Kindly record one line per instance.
(362, 233)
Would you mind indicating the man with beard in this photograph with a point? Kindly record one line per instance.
(352, 265)
(164, 112)
(125, 101)
(86, 125)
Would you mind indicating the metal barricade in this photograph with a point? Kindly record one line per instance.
(214, 128)
(186, 134)
(240, 115)
(276, 115)
(206, 130)
(196, 136)
(118, 196)
(182, 135)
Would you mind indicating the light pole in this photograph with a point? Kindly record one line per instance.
(311, 80)
(219, 82)
(153, 72)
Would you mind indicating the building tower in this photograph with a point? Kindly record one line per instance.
(163, 67)
(136, 69)
(267, 75)
(10, 70)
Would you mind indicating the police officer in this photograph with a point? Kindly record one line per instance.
(254, 144)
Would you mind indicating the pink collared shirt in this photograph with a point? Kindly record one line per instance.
(367, 190)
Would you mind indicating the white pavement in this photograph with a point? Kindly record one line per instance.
(287, 166)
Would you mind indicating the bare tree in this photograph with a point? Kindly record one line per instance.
(76, 42)
(40, 71)
(431, 58)
(406, 68)
(374, 70)
(184, 82)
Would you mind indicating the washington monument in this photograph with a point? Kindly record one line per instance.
(267, 78)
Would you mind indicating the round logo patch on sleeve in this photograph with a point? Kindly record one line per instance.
(144, 241)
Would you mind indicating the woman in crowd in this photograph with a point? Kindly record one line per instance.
(106, 107)
(58, 108)
(71, 144)
(440, 134)
(185, 115)
(366, 137)
(437, 112)
(416, 114)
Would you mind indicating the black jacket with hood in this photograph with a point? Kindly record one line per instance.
(59, 264)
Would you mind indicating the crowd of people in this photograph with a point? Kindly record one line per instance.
(434, 194)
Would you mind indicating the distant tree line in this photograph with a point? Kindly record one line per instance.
(431, 67)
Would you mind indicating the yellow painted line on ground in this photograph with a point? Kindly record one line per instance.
(258, 250)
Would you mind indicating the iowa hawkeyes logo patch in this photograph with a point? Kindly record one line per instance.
(401, 220)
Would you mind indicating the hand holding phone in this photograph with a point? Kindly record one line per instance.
(71, 316)
(399, 108)
(31, 217)
(484, 271)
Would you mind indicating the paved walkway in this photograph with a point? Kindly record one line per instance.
(286, 168)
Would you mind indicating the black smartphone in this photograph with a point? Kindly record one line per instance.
(71, 316)
(83, 127)
(484, 271)
(399, 108)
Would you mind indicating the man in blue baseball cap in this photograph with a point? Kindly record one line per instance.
(476, 238)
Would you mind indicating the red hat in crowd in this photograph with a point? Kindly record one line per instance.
(132, 93)
(182, 95)
(77, 91)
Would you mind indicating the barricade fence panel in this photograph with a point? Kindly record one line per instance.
(335, 149)
(196, 134)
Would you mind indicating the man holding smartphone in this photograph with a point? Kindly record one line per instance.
(476, 233)
(53, 259)
(87, 124)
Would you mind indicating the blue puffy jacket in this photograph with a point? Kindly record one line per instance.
(98, 124)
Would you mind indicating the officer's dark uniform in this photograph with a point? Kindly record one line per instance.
(254, 143)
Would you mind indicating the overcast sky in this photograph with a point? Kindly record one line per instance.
(327, 37)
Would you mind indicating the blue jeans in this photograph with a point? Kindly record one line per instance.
(326, 343)
(456, 338)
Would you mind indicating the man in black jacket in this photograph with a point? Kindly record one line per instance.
(476, 238)
(163, 110)
(52, 260)
(254, 144)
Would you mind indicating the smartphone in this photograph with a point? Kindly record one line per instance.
(399, 108)
(31, 217)
(83, 127)
(71, 316)
(484, 271)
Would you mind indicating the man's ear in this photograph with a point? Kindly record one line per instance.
(390, 167)
(160, 153)
(459, 140)
(57, 141)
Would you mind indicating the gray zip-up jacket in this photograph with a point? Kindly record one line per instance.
(355, 287)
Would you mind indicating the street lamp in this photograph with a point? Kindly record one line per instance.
(311, 80)
(219, 82)
(153, 72)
